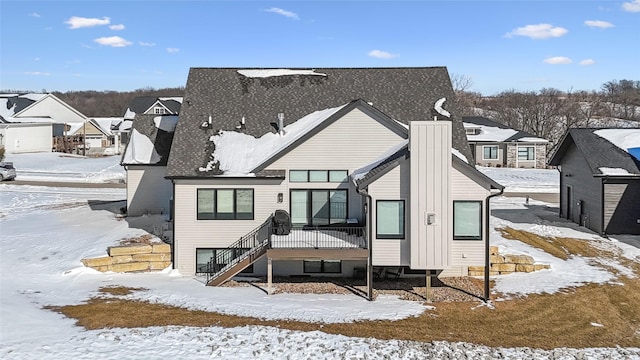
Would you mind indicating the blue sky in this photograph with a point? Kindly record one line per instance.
(499, 45)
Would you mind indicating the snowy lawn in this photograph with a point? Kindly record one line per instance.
(524, 180)
(46, 231)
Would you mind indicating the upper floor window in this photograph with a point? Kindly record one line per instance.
(526, 153)
(318, 175)
(467, 220)
(159, 110)
(225, 204)
(490, 152)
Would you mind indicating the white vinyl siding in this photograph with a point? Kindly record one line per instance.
(148, 192)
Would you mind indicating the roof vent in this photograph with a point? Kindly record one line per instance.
(281, 124)
(242, 125)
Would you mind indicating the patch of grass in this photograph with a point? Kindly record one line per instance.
(118, 290)
(559, 247)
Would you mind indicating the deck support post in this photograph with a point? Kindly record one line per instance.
(269, 276)
(427, 294)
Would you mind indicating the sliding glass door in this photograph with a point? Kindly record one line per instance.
(318, 207)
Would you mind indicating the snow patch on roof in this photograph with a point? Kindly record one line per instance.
(533, 140)
(4, 112)
(34, 97)
(174, 98)
(129, 115)
(167, 123)
(363, 171)
(625, 139)
(239, 154)
(263, 73)
(125, 125)
(489, 133)
(459, 155)
(140, 150)
(32, 120)
(613, 171)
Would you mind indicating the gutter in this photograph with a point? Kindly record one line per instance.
(487, 202)
(369, 201)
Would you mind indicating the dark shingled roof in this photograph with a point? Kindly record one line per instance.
(161, 139)
(141, 104)
(479, 120)
(597, 151)
(404, 94)
(19, 102)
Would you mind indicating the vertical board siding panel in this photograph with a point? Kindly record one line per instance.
(612, 196)
(430, 178)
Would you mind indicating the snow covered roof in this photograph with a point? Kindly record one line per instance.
(238, 154)
(151, 132)
(37, 120)
(144, 105)
(264, 73)
(492, 131)
(227, 97)
(609, 152)
(11, 104)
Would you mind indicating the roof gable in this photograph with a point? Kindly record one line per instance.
(227, 96)
(602, 156)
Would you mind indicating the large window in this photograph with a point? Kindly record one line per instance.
(318, 207)
(390, 219)
(526, 153)
(322, 266)
(221, 255)
(467, 220)
(225, 204)
(490, 152)
(318, 175)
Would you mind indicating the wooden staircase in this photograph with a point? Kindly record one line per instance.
(239, 255)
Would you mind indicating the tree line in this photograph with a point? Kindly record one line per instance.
(549, 113)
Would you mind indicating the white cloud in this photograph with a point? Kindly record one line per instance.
(76, 22)
(598, 24)
(36, 59)
(587, 62)
(142, 43)
(114, 41)
(37, 73)
(382, 54)
(539, 31)
(555, 60)
(632, 6)
(35, 15)
(172, 50)
(117, 27)
(283, 12)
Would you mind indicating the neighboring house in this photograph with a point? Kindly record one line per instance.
(25, 137)
(600, 179)
(344, 153)
(100, 133)
(145, 160)
(148, 105)
(495, 144)
(37, 109)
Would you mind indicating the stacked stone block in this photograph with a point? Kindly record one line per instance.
(135, 258)
(507, 264)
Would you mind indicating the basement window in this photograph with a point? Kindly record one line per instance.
(322, 266)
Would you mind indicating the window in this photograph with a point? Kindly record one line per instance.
(526, 153)
(322, 266)
(158, 110)
(225, 204)
(490, 152)
(390, 219)
(318, 207)
(223, 255)
(318, 175)
(467, 220)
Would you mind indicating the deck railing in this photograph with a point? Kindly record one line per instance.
(321, 237)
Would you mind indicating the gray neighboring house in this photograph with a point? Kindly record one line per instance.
(495, 144)
(148, 105)
(600, 179)
(329, 147)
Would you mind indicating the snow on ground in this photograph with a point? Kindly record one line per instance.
(66, 167)
(524, 180)
(46, 231)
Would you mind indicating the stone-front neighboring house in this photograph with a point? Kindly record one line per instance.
(600, 179)
(324, 172)
(495, 144)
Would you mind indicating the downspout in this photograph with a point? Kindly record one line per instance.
(368, 202)
(173, 227)
(602, 230)
(487, 231)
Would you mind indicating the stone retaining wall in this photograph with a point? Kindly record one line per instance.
(507, 264)
(134, 258)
